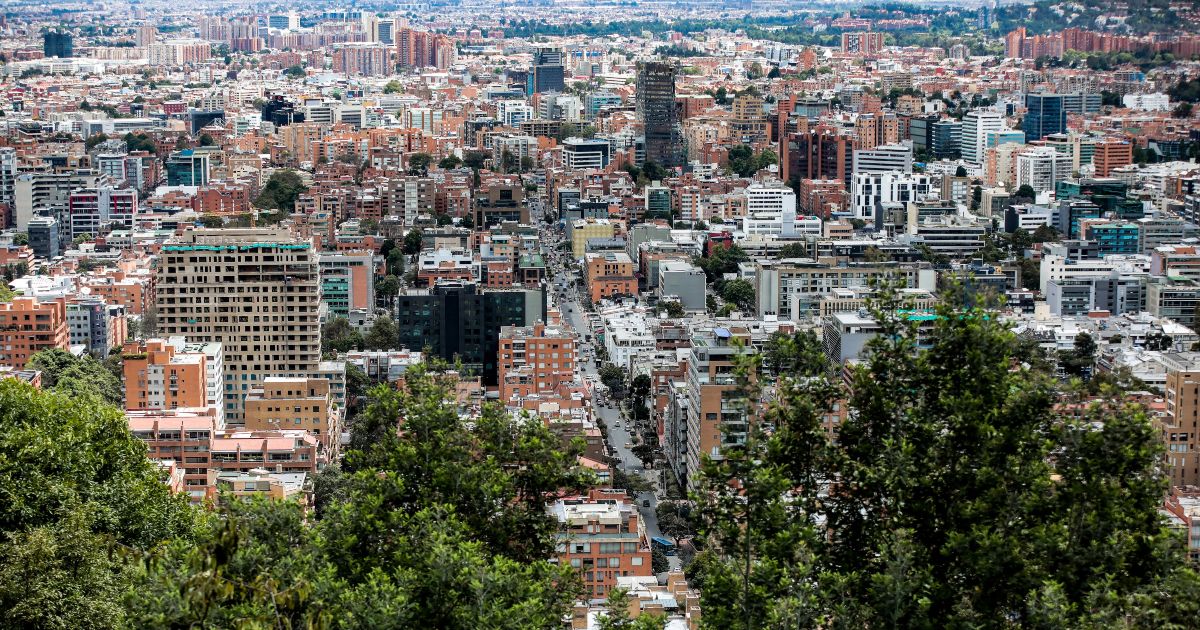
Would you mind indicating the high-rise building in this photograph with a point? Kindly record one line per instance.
(656, 111)
(770, 210)
(297, 403)
(187, 168)
(1045, 114)
(96, 325)
(98, 210)
(289, 21)
(255, 291)
(862, 43)
(8, 175)
(534, 360)
(28, 326)
(546, 73)
(1111, 153)
(1181, 440)
(975, 127)
(1042, 168)
(58, 44)
(458, 320)
(363, 59)
(171, 373)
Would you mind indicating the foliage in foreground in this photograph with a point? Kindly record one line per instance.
(955, 496)
(439, 526)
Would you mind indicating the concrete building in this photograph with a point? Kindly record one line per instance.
(682, 280)
(460, 321)
(535, 360)
(96, 325)
(347, 281)
(975, 128)
(28, 326)
(585, 154)
(656, 111)
(171, 373)
(296, 403)
(1045, 114)
(712, 417)
(1042, 169)
(1181, 441)
(583, 229)
(96, 211)
(255, 291)
(609, 274)
(770, 209)
(602, 537)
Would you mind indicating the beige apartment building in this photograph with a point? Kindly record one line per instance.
(295, 403)
(1181, 424)
(253, 290)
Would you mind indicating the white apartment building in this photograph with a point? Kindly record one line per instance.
(1042, 169)
(975, 128)
(770, 209)
(872, 190)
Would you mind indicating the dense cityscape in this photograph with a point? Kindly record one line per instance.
(596, 316)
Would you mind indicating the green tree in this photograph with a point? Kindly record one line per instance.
(79, 493)
(616, 615)
(412, 242)
(739, 292)
(963, 497)
(393, 87)
(613, 378)
(281, 191)
(673, 308)
(387, 288)
(1025, 192)
(296, 72)
(449, 162)
(383, 334)
(418, 163)
(211, 221)
(77, 376)
(797, 353)
(1079, 360)
(337, 336)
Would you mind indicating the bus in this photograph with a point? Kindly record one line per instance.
(662, 544)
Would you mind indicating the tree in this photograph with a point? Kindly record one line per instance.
(79, 497)
(338, 336)
(393, 87)
(639, 388)
(1159, 341)
(387, 288)
(964, 496)
(449, 162)
(418, 163)
(721, 261)
(616, 614)
(211, 221)
(412, 242)
(442, 525)
(659, 562)
(1182, 110)
(673, 308)
(281, 191)
(799, 353)
(83, 377)
(1079, 360)
(613, 378)
(383, 334)
(1025, 192)
(206, 140)
(395, 262)
(295, 72)
(739, 292)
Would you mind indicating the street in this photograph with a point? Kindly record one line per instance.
(606, 410)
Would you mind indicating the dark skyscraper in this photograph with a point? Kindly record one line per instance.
(58, 44)
(656, 110)
(1046, 114)
(460, 321)
(546, 72)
